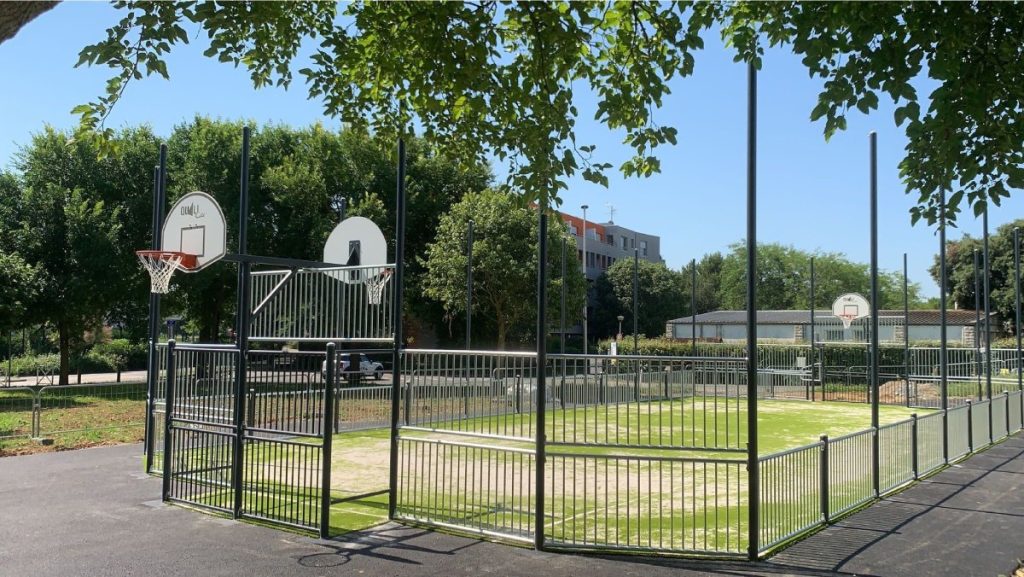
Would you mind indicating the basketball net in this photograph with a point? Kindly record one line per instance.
(375, 286)
(847, 320)
(161, 266)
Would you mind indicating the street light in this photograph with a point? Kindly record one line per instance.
(618, 337)
(585, 278)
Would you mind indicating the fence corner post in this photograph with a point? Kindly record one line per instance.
(824, 480)
(913, 444)
(327, 426)
(1006, 411)
(970, 426)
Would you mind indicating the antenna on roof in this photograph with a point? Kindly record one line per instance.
(611, 213)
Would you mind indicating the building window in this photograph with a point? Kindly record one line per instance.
(575, 231)
(611, 239)
(643, 248)
(624, 239)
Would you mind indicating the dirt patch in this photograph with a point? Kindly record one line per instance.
(361, 466)
(895, 393)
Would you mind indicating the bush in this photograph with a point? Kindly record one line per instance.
(31, 365)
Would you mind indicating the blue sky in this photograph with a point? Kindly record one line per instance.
(812, 194)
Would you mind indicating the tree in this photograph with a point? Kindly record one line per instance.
(17, 290)
(784, 279)
(123, 181)
(960, 273)
(709, 280)
(14, 15)
(71, 241)
(504, 264)
(660, 297)
(502, 78)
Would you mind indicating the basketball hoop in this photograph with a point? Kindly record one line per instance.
(161, 265)
(375, 286)
(850, 307)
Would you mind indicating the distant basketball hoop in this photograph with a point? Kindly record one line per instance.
(194, 236)
(850, 307)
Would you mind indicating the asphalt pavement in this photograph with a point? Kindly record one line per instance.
(92, 512)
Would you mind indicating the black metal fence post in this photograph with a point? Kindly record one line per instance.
(153, 366)
(693, 307)
(328, 439)
(396, 354)
(943, 357)
(824, 479)
(906, 329)
(1016, 290)
(873, 140)
(810, 393)
(168, 417)
(469, 286)
(561, 312)
(540, 439)
(913, 444)
(977, 324)
(970, 427)
(242, 327)
(753, 465)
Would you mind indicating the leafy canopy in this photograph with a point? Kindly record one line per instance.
(960, 285)
(504, 265)
(502, 77)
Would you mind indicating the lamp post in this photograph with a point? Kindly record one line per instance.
(585, 278)
(618, 336)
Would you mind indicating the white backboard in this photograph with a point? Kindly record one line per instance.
(356, 241)
(195, 225)
(850, 307)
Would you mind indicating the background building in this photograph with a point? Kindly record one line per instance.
(606, 243)
(794, 326)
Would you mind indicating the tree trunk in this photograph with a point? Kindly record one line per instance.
(15, 15)
(65, 353)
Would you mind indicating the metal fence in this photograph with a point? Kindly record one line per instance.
(89, 413)
(640, 452)
(645, 454)
(329, 304)
(839, 475)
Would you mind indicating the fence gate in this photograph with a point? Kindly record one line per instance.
(200, 430)
(258, 455)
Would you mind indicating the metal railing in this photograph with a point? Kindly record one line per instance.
(809, 486)
(327, 304)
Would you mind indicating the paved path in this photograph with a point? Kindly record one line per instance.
(93, 513)
(92, 379)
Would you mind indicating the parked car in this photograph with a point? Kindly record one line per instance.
(367, 368)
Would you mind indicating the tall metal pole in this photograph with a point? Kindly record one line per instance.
(561, 313)
(693, 307)
(873, 139)
(469, 286)
(396, 315)
(1016, 305)
(342, 208)
(988, 328)
(987, 272)
(753, 478)
(906, 329)
(540, 440)
(586, 279)
(154, 306)
(812, 339)
(636, 298)
(977, 323)
(943, 357)
(242, 319)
